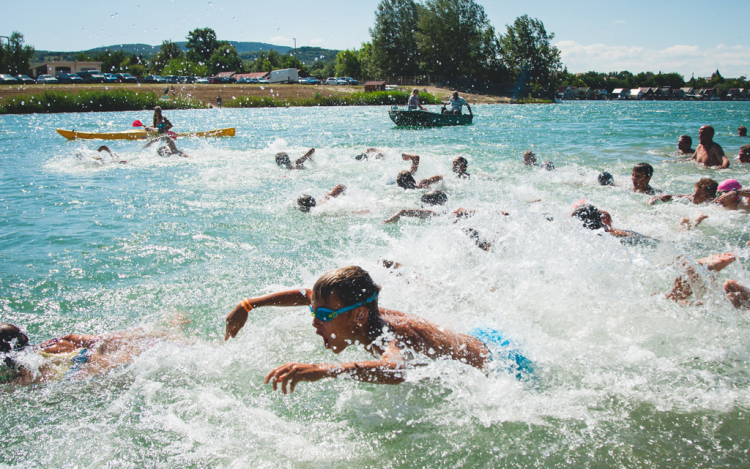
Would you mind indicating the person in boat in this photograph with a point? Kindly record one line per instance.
(705, 191)
(405, 179)
(456, 104)
(460, 165)
(641, 178)
(370, 152)
(693, 283)
(744, 154)
(168, 148)
(742, 131)
(306, 202)
(161, 123)
(73, 357)
(685, 144)
(414, 101)
(345, 309)
(283, 161)
(708, 152)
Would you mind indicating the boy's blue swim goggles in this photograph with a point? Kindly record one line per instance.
(325, 314)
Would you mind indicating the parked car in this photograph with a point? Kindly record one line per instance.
(332, 81)
(154, 79)
(172, 79)
(246, 80)
(202, 80)
(263, 81)
(47, 80)
(8, 80)
(109, 77)
(342, 81)
(70, 78)
(91, 76)
(351, 81)
(187, 80)
(125, 78)
(309, 81)
(25, 79)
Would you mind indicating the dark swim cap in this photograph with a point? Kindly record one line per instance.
(605, 179)
(590, 216)
(306, 202)
(434, 198)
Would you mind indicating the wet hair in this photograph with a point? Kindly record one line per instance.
(460, 161)
(351, 285)
(282, 159)
(11, 339)
(361, 156)
(687, 139)
(548, 165)
(434, 198)
(605, 179)
(742, 130)
(708, 185)
(590, 216)
(164, 151)
(644, 168)
(306, 202)
(528, 155)
(745, 148)
(405, 180)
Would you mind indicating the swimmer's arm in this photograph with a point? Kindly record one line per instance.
(416, 213)
(237, 318)
(724, 161)
(425, 183)
(665, 198)
(337, 191)
(414, 161)
(67, 343)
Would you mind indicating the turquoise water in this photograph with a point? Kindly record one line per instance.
(625, 377)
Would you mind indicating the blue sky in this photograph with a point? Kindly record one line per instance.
(687, 37)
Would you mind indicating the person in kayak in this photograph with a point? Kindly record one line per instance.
(161, 123)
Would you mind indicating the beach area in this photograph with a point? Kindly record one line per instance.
(623, 376)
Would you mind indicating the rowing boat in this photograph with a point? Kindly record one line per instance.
(140, 134)
(411, 118)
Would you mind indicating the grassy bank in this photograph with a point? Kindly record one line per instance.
(93, 100)
(376, 98)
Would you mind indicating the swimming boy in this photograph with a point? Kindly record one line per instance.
(742, 131)
(744, 155)
(405, 179)
(705, 191)
(460, 165)
(283, 161)
(344, 303)
(529, 158)
(641, 177)
(306, 202)
(684, 144)
(709, 153)
(168, 149)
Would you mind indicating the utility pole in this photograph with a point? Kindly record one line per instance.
(295, 52)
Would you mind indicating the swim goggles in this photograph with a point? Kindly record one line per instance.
(325, 314)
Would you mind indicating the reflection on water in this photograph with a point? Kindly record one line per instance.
(625, 377)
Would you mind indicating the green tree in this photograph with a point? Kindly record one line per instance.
(367, 64)
(526, 43)
(455, 38)
(225, 59)
(201, 44)
(82, 57)
(274, 58)
(16, 57)
(347, 64)
(184, 67)
(394, 40)
(168, 51)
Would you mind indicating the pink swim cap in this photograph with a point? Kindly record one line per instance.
(729, 185)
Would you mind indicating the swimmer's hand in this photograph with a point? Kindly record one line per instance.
(235, 321)
(292, 373)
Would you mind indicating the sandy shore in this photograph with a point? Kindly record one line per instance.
(209, 93)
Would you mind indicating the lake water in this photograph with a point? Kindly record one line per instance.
(624, 377)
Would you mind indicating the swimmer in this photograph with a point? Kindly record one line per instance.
(744, 155)
(742, 131)
(283, 161)
(705, 191)
(168, 149)
(370, 152)
(344, 303)
(306, 202)
(547, 165)
(114, 156)
(731, 196)
(641, 178)
(405, 179)
(694, 283)
(460, 164)
(72, 356)
(605, 179)
(684, 144)
(594, 219)
(709, 153)
(529, 158)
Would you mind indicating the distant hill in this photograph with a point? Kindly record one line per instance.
(307, 55)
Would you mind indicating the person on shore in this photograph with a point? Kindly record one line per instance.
(529, 158)
(685, 144)
(218, 101)
(744, 154)
(306, 202)
(460, 165)
(708, 152)
(283, 161)
(405, 179)
(732, 196)
(641, 178)
(344, 304)
(742, 131)
(605, 179)
(414, 101)
(705, 191)
(72, 357)
(456, 105)
(168, 148)
(692, 282)
(594, 219)
(370, 152)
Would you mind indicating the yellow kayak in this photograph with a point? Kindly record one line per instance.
(140, 134)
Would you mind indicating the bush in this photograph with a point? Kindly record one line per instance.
(93, 101)
(377, 98)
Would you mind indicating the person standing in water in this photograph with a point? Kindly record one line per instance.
(709, 153)
(685, 144)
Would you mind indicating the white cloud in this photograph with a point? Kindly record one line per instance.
(279, 40)
(685, 59)
(316, 42)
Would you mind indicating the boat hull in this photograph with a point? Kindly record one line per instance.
(428, 119)
(140, 134)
